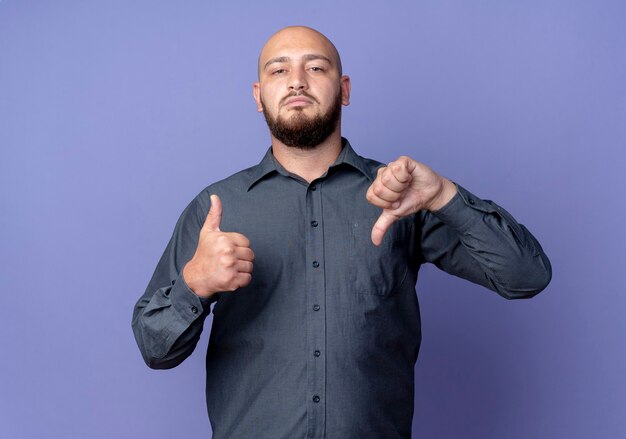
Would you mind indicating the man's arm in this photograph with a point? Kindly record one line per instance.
(479, 241)
(168, 318)
(460, 233)
(199, 262)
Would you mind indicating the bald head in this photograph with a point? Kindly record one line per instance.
(278, 46)
(301, 88)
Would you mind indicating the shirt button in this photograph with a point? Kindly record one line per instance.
(317, 353)
(313, 188)
(316, 307)
(314, 223)
(316, 398)
(194, 310)
(471, 201)
(316, 264)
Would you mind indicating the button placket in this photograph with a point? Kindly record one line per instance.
(316, 320)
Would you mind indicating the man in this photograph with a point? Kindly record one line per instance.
(311, 259)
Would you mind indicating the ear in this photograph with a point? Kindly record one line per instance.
(345, 90)
(256, 92)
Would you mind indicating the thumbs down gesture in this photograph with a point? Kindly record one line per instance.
(404, 187)
(222, 261)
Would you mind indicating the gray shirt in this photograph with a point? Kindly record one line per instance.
(323, 342)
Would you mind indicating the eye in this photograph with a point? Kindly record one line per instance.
(316, 69)
(278, 71)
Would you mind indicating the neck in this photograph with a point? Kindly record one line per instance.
(308, 163)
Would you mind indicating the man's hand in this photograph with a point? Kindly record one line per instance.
(223, 261)
(404, 187)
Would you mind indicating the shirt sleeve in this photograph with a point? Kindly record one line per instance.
(168, 318)
(479, 241)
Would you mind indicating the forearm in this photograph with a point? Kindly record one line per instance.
(168, 318)
(167, 324)
(480, 241)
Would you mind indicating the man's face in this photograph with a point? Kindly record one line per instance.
(300, 88)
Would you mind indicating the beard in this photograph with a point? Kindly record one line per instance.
(300, 131)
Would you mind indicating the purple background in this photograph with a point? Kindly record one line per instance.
(114, 114)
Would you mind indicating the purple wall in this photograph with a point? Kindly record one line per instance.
(114, 114)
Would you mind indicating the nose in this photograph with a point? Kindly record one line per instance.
(297, 80)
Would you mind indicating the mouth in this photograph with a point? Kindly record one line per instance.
(298, 101)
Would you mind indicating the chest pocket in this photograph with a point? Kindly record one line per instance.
(378, 270)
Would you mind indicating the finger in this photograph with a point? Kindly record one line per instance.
(243, 279)
(238, 239)
(244, 266)
(394, 178)
(402, 169)
(372, 198)
(214, 217)
(386, 194)
(244, 253)
(385, 220)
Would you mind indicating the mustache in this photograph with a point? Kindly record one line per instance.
(298, 93)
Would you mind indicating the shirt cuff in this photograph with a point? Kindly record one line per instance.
(187, 303)
(463, 210)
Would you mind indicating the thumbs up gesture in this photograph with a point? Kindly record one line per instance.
(222, 261)
(404, 187)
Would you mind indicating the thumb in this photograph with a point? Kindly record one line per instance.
(214, 217)
(384, 221)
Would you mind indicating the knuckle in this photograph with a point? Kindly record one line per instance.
(227, 261)
(228, 250)
(401, 164)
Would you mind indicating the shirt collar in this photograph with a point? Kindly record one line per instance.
(269, 164)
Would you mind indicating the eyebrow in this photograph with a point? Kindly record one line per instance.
(308, 57)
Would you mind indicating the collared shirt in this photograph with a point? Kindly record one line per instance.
(323, 342)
